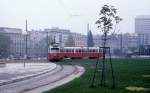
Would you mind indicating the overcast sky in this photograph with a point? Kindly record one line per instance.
(68, 14)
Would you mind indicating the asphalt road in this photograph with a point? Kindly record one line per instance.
(13, 71)
(59, 76)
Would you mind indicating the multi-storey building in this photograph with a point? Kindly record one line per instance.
(57, 35)
(36, 43)
(124, 43)
(79, 39)
(97, 40)
(142, 28)
(17, 45)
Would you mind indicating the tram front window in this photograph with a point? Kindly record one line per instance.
(54, 50)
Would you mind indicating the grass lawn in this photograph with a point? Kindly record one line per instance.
(128, 72)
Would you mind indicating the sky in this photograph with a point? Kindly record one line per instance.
(68, 14)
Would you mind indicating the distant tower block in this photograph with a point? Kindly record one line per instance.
(142, 28)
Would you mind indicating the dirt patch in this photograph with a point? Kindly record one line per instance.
(134, 88)
(146, 76)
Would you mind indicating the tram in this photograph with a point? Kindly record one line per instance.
(57, 53)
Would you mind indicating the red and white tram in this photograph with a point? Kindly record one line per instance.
(57, 53)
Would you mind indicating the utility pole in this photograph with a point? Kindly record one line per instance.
(121, 43)
(47, 43)
(87, 34)
(139, 43)
(60, 39)
(88, 27)
(26, 41)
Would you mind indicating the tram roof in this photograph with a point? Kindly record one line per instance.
(80, 47)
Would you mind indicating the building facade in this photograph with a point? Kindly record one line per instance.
(17, 45)
(38, 41)
(36, 44)
(142, 28)
(79, 39)
(58, 35)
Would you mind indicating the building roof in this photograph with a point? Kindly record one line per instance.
(10, 30)
(57, 30)
(143, 17)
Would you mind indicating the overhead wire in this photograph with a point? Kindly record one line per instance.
(67, 11)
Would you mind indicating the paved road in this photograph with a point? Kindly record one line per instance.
(54, 78)
(13, 71)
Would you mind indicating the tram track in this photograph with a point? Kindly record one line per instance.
(27, 77)
(58, 79)
(25, 86)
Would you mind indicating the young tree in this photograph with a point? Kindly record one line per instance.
(90, 42)
(70, 41)
(107, 22)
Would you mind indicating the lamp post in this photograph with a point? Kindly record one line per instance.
(47, 41)
(121, 44)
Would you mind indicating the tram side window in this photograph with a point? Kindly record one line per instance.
(65, 50)
(89, 51)
(94, 50)
(72, 50)
(77, 50)
(68, 50)
(100, 50)
(84, 51)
